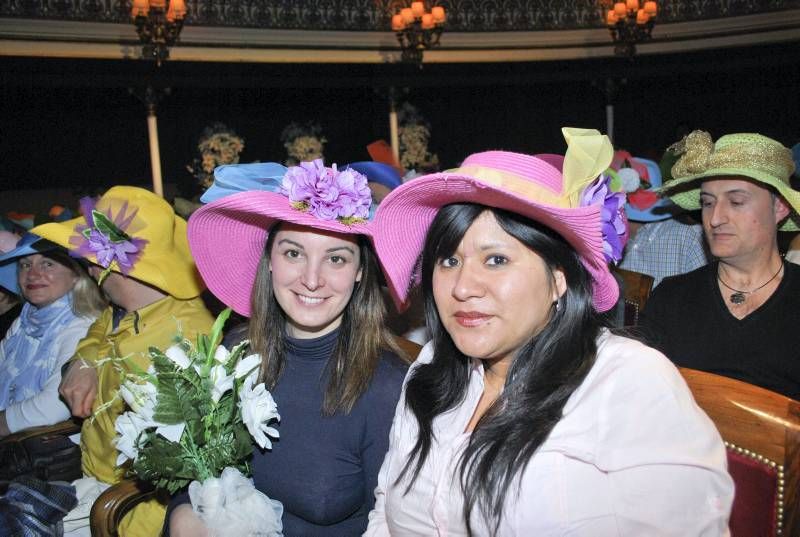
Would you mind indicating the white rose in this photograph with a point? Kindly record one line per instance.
(172, 432)
(178, 356)
(246, 365)
(141, 398)
(129, 426)
(221, 355)
(221, 382)
(258, 409)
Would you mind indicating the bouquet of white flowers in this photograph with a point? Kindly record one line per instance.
(194, 415)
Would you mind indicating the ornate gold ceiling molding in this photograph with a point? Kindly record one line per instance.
(70, 39)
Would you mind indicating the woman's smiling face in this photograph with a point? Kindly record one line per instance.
(493, 293)
(314, 273)
(43, 280)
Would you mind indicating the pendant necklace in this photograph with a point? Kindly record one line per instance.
(738, 297)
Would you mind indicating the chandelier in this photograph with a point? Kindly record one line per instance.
(631, 24)
(418, 30)
(157, 26)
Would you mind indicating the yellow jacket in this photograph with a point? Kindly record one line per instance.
(155, 325)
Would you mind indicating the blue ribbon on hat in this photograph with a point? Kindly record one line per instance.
(377, 172)
(234, 178)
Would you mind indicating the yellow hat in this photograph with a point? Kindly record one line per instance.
(132, 231)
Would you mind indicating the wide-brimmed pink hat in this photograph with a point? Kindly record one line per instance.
(572, 196)
(228, 235)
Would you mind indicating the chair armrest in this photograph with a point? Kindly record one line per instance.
(65, 428)
(114, 503)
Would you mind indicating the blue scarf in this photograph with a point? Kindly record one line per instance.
(26, 354)
(35, 508)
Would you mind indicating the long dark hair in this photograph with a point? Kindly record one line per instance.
(362, 335)
(547, 369)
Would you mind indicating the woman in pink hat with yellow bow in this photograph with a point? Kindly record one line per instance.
(523, 415)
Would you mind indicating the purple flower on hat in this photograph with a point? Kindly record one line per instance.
(104, 236)
(614, 227)
(327, 193)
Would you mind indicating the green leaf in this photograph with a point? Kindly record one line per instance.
(225, 410)
(236, 353)
(616, 182)
(176, 400)
(242, 444)
(161, 363)
(108, 228)
(165, 464)
(203, 345)
(216, 329)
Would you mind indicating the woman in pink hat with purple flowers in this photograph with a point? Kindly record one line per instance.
(291, 249)
(524, 416)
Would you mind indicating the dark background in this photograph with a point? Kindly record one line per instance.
(74, 124)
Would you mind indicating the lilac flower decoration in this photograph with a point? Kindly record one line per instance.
(614, 225)
(104, 237)
(327, 193)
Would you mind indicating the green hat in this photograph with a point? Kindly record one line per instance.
(752, 156)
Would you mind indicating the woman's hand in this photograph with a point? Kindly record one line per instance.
(79, 388)
(184, 523)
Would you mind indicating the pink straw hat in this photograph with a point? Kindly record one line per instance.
(228, 235)
(577, 203)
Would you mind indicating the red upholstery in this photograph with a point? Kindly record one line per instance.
(753, 420)
(755, 504)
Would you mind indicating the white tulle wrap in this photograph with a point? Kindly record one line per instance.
(232, 507)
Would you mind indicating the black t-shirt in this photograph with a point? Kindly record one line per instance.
(686, 318)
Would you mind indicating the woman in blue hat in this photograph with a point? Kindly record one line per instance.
(61, 300)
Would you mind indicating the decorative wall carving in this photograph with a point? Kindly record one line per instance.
(374, 15)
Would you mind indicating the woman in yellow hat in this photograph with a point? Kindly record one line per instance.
(139, 254)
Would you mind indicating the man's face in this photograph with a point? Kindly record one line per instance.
(740, 218)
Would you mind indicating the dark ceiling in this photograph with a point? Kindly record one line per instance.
(74, 123)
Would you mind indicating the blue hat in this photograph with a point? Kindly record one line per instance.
(234, 178)
(378, 172)
(8, 266)
(662, 209)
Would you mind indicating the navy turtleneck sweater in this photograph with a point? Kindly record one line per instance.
(324, 469)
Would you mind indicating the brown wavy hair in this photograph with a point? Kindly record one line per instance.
(362, 335)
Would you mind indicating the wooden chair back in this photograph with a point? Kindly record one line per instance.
(14, 447)
(636, 289)
(67, 428)
(761, 430)
(115, 502)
